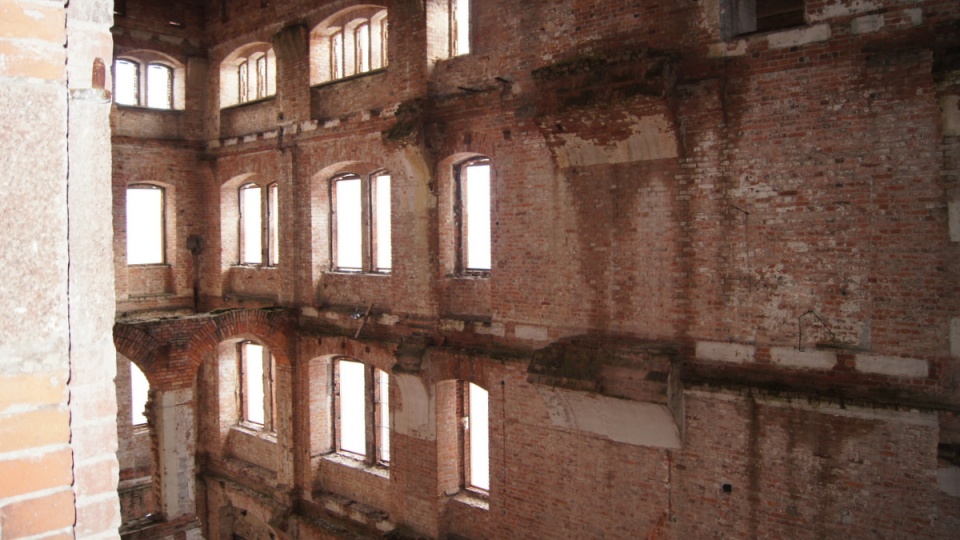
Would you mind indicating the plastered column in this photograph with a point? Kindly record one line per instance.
(177, 441)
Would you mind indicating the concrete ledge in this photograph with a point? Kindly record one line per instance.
(790, 357)
(893, 366)
(533, 333)
(717, 351)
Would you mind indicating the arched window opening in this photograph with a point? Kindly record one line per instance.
(141, 80)
(126, 82)
(159, 86)
(351, 42)
(247, 75)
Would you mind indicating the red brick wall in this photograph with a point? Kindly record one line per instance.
(774, 210)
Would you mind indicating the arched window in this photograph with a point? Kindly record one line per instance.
(248, 74)
(472, 211)
(255, 211)
(142, 81)
(360, 222)
(362, 402)
(256, 367)
(145, 224)
(352, 42)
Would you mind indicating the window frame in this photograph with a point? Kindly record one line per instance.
(269, 224)
(455, 29)
(142, 82)
(269, 368)
(376, 446)
(169, 86)
(460, 204)
(163, 222)
(134, 413)
(345, 49)
(465, 439)
(745, 17)
(370, 225)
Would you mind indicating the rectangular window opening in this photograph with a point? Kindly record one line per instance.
(159, 86)
(351, 385)
(252, 382)
(126, 79)
(383, 416)
(459, 27)
(477, 439)
(273, 219)
(139, 390)
(145, 225)
(381, 224)
(349, 224)
(250, 225)
(475, 219)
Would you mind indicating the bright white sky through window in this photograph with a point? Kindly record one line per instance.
(477, 191)
(138, 392)
(349, 228)
(353, 430)
(250, 211)
(158, 86)
(253, 382)
(384, 382)
(125, 83)
(144, 225)
(479, 438)
(462, 21)
(384, 256)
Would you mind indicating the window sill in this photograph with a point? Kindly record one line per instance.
(472, 499)
(353, 77)
(250, 103)
(143, 108)
(254, 266)
(378, 470)
(470, 274)
(343, 272)
(148, 265)
(252, 430)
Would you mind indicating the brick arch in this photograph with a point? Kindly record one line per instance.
(139, 347)
(270, 327)
(377, 354)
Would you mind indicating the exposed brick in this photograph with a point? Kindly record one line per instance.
(20, 431)
(36, 516)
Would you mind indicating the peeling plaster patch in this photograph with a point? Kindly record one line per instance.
(533, 333)
(734, 353)
(949, 480)
(332, 316)
(249, 138)
(790, 357)
(800, 36)
(892, 365)
(915, 14)
(866, 24)
(843, 8)
(213, 144)
(621, 420)
(309, 311)
(331, 123)
(230, 142)
(415, 415)
(652, 138)
(271, 134)
(309, 125)
(723, 49)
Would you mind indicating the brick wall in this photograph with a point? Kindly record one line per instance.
(775, 214)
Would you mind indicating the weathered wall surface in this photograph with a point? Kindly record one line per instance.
(58, 436)
(757, 234)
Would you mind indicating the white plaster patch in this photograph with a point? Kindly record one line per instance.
(949, 480)
(309, 311)
(249, 138)
(533, 333)
(892, 365)
(790, 357)
(723, 49)
(866, 24)
(800, 36)
(492, 329)
(388, 320)
(230, 142)
(415, 411)
(842, 8)
(309, 125)
(621, 420)
(331, 123)
(271, 134)
(652, 138)
(734, 353)
(950, 113)
(915, 14)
